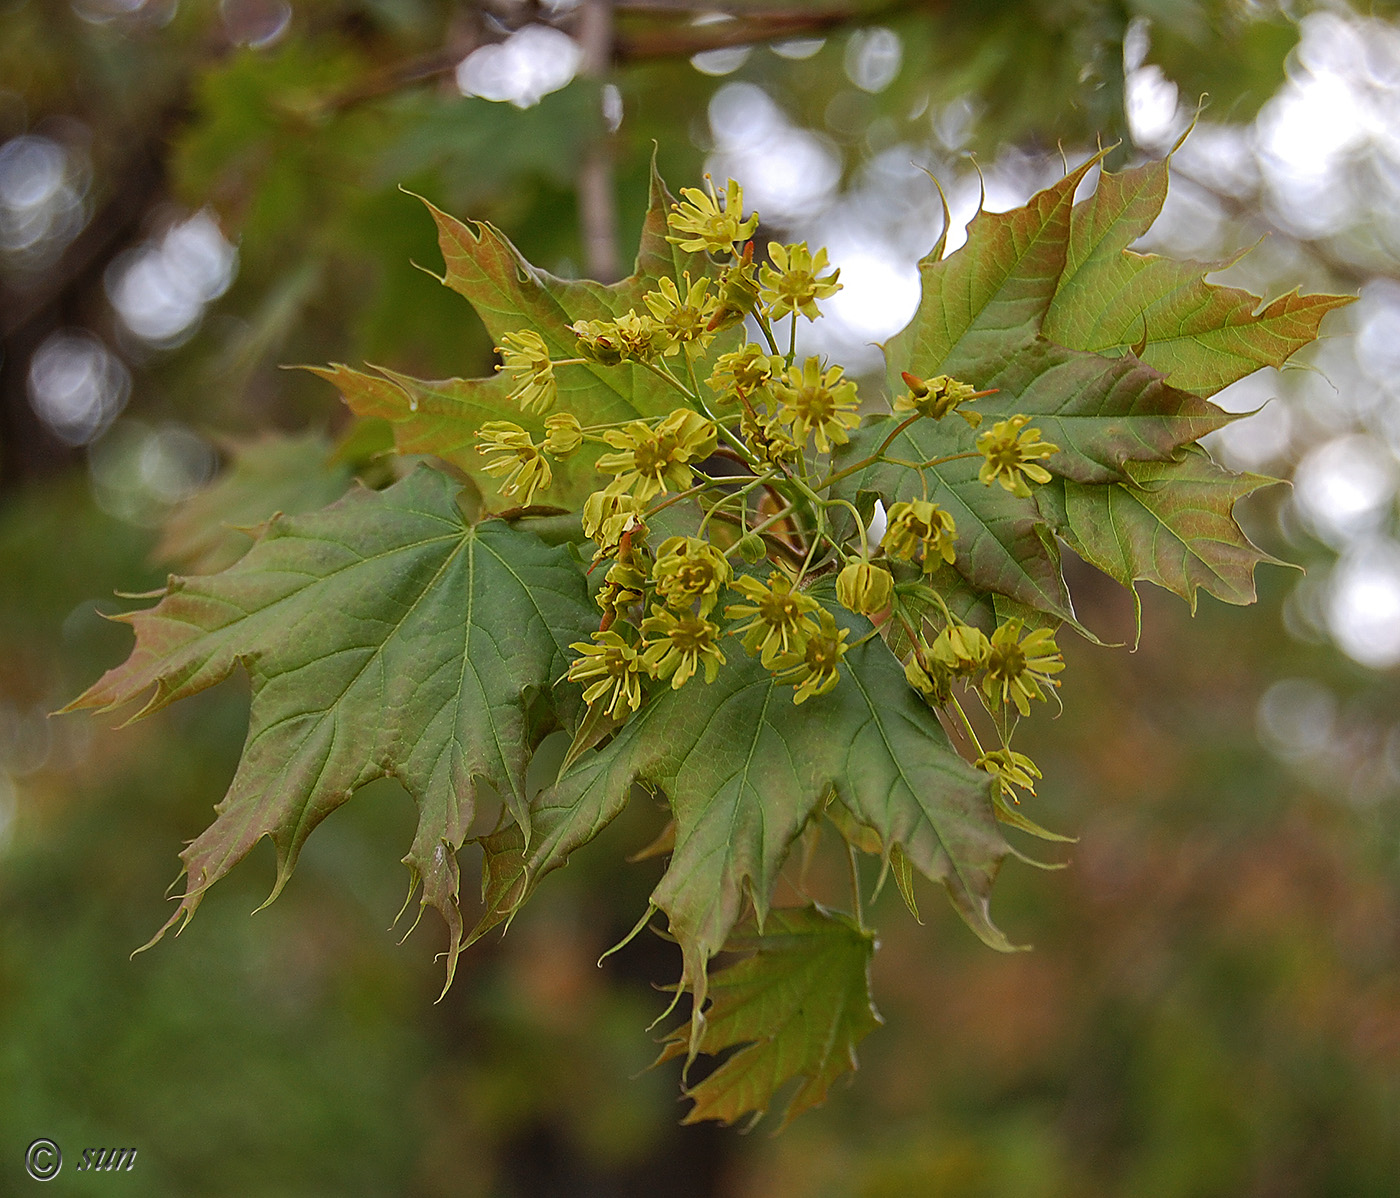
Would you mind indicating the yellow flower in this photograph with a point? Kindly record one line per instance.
(623, 585)
(1018, 669)
(961, 649)
(779, 622)
(629, 337)
(517, 457)
(818, 402)
(608, 515)
(526, 360)
(928, 676)
(683, 320)
(1010, 455)
(609, 667)
(864, 588)
(794, 282)
(936, 397)
(742, 371)
(815, 671)
(651, 461)
(701, 225)
(687, 569)
(563, 434)
(738, 290)
(919, 529)
(679, 642)
(766, 436)
(1010, 769)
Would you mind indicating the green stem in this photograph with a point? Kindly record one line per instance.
(792, 340)
(967, 724)
(932, 462)
(856, 903)
(666, 376)
(767, 330)
(871, 460)
(739, 495)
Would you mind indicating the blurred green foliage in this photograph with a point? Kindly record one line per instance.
(1213, 1003)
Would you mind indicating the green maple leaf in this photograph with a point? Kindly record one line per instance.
(1019, 308)
(384, 636)
(744, 769)
(272, 474)
(799, 1005)
(442, 417)
(990, 296)
(1173, 525)
(1202, 336)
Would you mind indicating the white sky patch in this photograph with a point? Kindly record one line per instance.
(77, 386)
(873, 58)
(527, 66)
(1153, 106)
(41, 199)
(787, 172)
(1363, 611)
(161, 289)
(1345, 488)
(879, 294)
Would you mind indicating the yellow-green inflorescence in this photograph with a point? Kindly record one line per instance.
(732, 471)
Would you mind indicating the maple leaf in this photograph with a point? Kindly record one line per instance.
(384, 636)
(270, 474)
(1203, 337)
(1019, 308)
(1172, 525)
(744, 769)
(798, 1004)
(442, 417)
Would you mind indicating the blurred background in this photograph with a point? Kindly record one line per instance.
(195, 193)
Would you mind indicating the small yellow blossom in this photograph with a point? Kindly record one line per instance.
(677, 643)
(563, 434)
(818, 402)
(685, 321)
(816, 670)
(1010, 455)
(687, 569)
(766, 436)
(623, 585)
(864, 588)
(918, 529)
(1010, 770)
(936, 397)
(738, 291)
(650, 461)
(794, 282)
(610, 667)
(1017, 669)
(628, 338)
(526, 359)
(779, 619)
(608, 515)
(511, 452)
(701, 225)
(961, 649)
(928, 676)
(743, 371)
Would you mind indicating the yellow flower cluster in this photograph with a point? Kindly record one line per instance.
(774, 416)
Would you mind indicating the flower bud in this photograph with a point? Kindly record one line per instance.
(563, 434)
(752, 549)
(864, 588)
